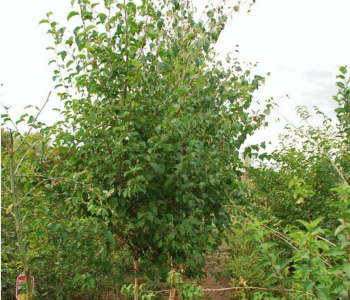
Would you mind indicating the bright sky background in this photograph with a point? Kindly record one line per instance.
(301, 42)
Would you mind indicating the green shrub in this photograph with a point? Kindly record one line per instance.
(242, 266)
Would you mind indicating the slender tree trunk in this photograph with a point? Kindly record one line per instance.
(174, 293)
(18, 222)
(137, 269)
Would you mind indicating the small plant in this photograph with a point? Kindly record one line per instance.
(185, 291)
(17, 150)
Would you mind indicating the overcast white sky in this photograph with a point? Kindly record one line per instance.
(301, 42)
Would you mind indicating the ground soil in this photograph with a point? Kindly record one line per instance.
(209, 282)
(222, 280)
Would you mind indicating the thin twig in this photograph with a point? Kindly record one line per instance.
(8, 115)
(289, 122)
(33, 189)
(200, 17)
(286, 239)
(318, 146)
(255, 288)
(7, 211)
(215, 9)
(338, 171)
(322, 238)
(3, 184)
(18, 165)
(242, 288)
(39, 112)
(274, 232)
(3, 140)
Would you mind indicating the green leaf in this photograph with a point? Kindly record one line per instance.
(191, 35)
(206, 46)
(336, 251)
(340, 229)
(315, 223)
(63, 54)
(69, 63)
(282, 264)
(88, 28)
(312, 225)
(346, 269)
(159, 168)
(341, 85)
(121, 211)
(113, 202)
(210, 13)
(269, 274)
(307, 286)
(264, 262)
(72, 14)
(110, 237)
(81, 56)
(140, 223)
(343, 70)
(338, 287)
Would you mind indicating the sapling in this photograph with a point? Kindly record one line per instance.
(18, 220)
(14, 167)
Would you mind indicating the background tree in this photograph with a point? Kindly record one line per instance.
(55, 240)
(304, 162)
(305, 237)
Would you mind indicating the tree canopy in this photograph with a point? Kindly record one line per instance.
(153, 125)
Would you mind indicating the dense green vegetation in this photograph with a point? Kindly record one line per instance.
(140, 183)
(300, 217)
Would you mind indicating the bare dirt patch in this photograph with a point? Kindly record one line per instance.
(221, 280)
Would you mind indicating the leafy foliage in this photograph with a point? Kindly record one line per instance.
(59, 245)
(153, 127)
(145, 166)
(311, 159)
(311, 260)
